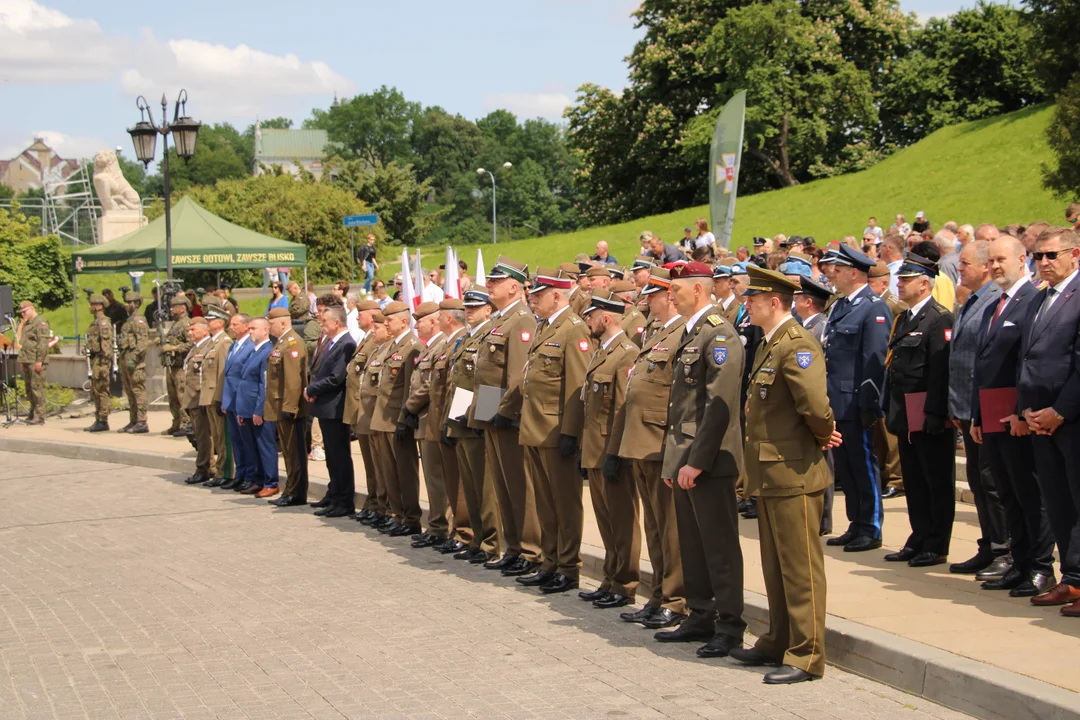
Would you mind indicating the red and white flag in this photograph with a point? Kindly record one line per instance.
(408, 290)
(451, 278)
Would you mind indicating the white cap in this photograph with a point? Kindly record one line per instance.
(920, 214)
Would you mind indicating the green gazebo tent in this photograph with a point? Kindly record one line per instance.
(200, 240)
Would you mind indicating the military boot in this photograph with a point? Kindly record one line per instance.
(171, 430)
(126, 427)
(99, 426)
(138, 428)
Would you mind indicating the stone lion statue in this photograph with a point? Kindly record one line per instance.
(113, 190)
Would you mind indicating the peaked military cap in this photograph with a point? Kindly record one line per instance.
(394, 308)
(621, 286)
(570, 269)
(815, 290)
(915, 265)
(850, 257)
(880, 269)
(608, 301)
(659, 279)
(551, 278)
(476, 296)
(763, 280)
(506, 268)
(643, 262)
(598, 271)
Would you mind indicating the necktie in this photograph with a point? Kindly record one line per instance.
(1046, 303)
(967, 305)
(1000, 307)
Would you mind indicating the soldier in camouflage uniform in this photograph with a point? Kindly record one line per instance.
(173, 351)
(32, 342)
(133, 341)
(99, 337)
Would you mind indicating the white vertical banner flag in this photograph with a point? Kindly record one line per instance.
(419, 281)
(451, 284)
(407, 287)
(480, 276)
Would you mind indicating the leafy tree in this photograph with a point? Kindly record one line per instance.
(392, 191)
(221, 153)
(1058, 62)
(374, 128)
(6, 192)
(34, 266)
(444, 146)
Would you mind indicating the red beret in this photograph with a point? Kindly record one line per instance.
(691, 270)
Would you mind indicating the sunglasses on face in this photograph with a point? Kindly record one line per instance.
(1049, 254)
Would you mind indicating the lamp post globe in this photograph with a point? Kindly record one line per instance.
(508, 165)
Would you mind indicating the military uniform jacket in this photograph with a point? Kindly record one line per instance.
(703, 412)
(133, 340)
(440, 382)
(34, 341)
(312, 333)
(399, 360)
(789, 417)
(500, 358)
(896, 305)
(579, 300)
(369, 389)
(640, 422)
(463, 375)
(633, 324)
(918, 362)
(286, 378)
(354, 383)
(419, 398)
(856, 339)
(554, 375)
(177, 341)
(602, 395)
(214, 369)
(732, 312)
(99, 340)
(193, 375)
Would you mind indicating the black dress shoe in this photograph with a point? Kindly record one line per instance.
(613, 600)
(686, 632)
(502, 562)
(323, 511)
(997, 569)
(388, 526)
(467, 554)
(744, 505)
(787, 675)
(337, 512)
(891, 492)
(321, 503)
(429, 541)
(639, 616)
(902, 555)
(926, 559)
(216, 482)
(229, 485)
(450, 547)
(841, 539)
(288, 501)
(401, 531)
(663, 618)
(753, 657)
(1008, 581)
(419, 536)
(981, 561)
(751, 510)
(590, 595)
(196, 479)
(862, 543)
(538, 578)
(1036, 584)
(719, 646)
(480, 557)
(559, 584)
(519, 567)
(243, 487)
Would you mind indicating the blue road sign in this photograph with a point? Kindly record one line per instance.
(361, 220)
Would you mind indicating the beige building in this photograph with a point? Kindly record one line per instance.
(286, 147)
(29, 169)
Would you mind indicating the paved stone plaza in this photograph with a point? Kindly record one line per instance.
(124, 593)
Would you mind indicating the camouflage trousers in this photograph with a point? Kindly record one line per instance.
(99, 388)
(35, 389)
(134, 382)
(174, 384)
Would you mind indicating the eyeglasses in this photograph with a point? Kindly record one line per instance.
(1072, 220)
(1049, 255)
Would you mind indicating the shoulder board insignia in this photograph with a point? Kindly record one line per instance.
(575, 320)
(873, 299)
(292, 342)
(713, 320)
(793, 332)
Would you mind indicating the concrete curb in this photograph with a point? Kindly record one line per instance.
(948, 679)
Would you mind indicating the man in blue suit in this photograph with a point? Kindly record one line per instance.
(260, 435)
(1048, 398)
(234, 362)
(856, 339)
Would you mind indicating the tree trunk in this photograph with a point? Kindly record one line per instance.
(778, 169)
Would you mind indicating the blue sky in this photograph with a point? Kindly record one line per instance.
(70, 70)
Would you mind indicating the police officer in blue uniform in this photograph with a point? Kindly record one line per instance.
(856, 341)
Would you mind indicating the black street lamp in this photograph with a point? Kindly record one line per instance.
(144, 136)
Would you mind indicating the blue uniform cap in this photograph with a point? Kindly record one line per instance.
(915, 265)
(851, 257)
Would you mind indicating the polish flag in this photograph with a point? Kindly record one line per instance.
(451, 278)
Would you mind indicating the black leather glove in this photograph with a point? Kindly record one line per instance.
(501, 422)
(868, 418)
(447, 440)
(462, 419)
(934, 424)
(611, 468)
(412, 420)
(288, 416)
(567, 446)
(403, 432)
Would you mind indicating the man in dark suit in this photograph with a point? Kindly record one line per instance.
(238, 353)
(1009, 453)
(260, 436)
(918, 362)
(326, 397)
(1048, 398)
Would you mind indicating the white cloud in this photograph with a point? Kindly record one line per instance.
(40, 45)
(69, 147)
(530, 105)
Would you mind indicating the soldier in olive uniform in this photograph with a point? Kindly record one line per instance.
(639, 430)
(358, 414)
(395, 448)
(32, 342)
(727, 302)
(886, 448)
(702, 459)
(133, 341)
(633, 320)
(551, 419)
(213, 383)
(788, 423)
(500, 361)
(377, 504)
(579, 297)
(99, 349)
(286, 378)
(193, 378)
(173, 351)
(611, 482)
(476, 482)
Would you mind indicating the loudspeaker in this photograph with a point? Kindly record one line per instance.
(6, 308)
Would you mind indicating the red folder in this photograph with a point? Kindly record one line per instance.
(996, 404)
(916, 418)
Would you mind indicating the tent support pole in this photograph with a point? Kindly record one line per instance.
(305, 281)
(75, 305)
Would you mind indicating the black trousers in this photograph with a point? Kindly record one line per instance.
(1012, 462)
(928, 463)
(339, 463)
(1057, 464)
(988, 505)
